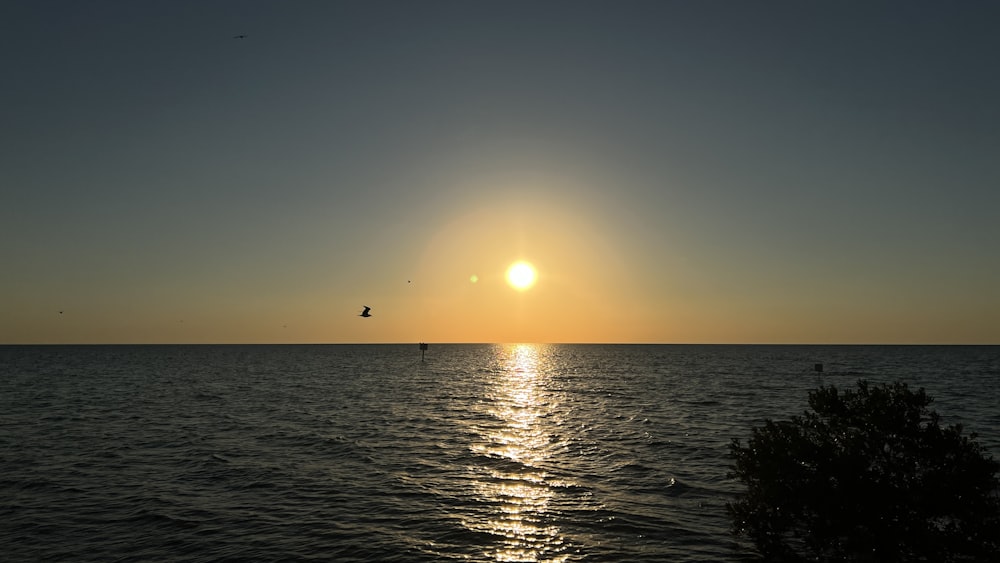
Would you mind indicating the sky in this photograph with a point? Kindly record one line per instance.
(675, 171)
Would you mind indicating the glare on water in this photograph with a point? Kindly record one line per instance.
(518, 489)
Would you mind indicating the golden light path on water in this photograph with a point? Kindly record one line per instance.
(517, 486)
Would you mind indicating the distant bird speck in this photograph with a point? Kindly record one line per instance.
(239, 37)
(365, 313)
(60, 312)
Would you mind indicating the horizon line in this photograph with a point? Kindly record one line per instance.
(590, 343)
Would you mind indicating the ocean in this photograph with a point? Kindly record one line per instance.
(554, 453)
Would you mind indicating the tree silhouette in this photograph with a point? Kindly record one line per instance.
(869, 475)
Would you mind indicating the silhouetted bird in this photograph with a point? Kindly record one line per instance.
(239, 37)
(365, 313)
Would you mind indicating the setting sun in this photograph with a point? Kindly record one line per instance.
(521, 275)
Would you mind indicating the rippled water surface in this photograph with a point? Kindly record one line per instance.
(367, 453)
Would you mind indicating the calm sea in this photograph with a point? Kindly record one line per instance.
(366, 453)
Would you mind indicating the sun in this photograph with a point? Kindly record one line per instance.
(521, 275)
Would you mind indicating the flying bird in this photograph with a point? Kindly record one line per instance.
(365, 313)
(239, 37)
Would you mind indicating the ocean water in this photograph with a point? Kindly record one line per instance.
(367, 453)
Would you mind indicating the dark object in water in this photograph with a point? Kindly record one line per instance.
(818, 368)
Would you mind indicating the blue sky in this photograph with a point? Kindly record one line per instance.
(676, 171)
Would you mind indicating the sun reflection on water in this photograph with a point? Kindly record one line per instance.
(514, 483)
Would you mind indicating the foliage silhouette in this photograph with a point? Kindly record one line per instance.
(869, 475)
